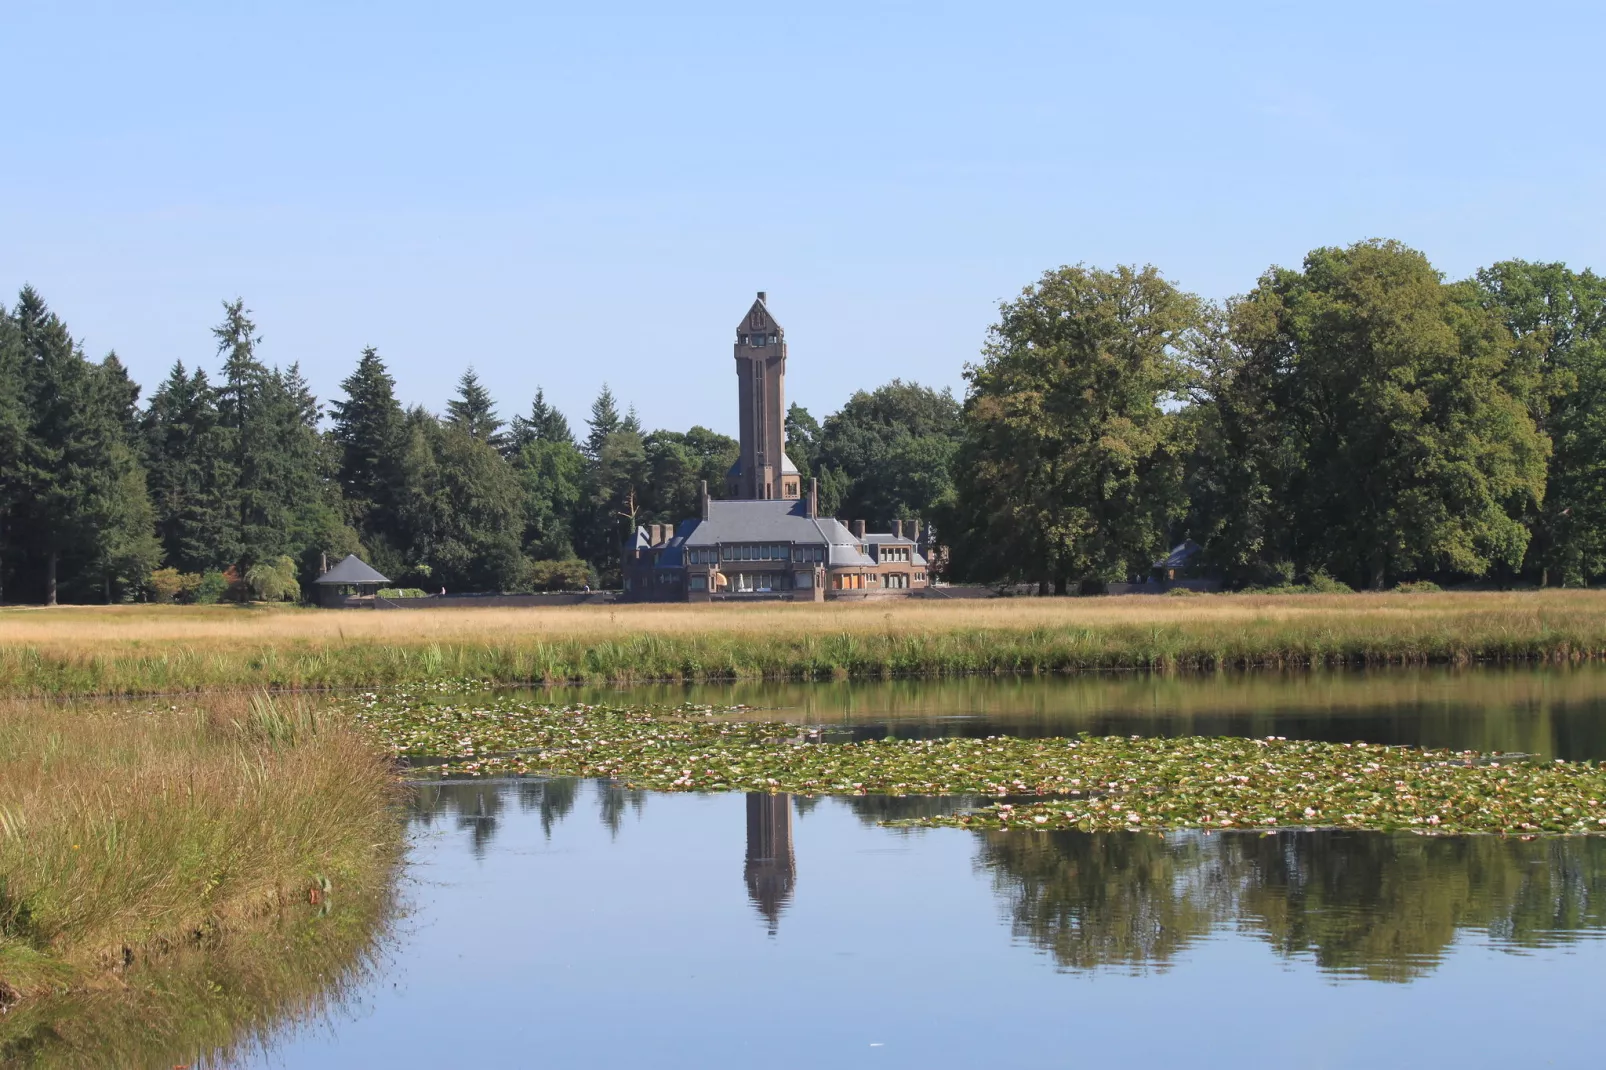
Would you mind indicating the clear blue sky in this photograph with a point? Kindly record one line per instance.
(562, 199)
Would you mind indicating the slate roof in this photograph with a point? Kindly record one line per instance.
(352, 570)
(1182, 553)
(775, 520)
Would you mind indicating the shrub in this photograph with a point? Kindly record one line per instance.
(1321, 583)
(165, 584)
(213, 586)
(402, 592)
(1417, 587)
(273, 582)
(570, 575)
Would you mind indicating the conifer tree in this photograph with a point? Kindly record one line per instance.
(369, 428)
(191, 473)
(544, 424)
(77, 483)
(474, 412)
(604, 421)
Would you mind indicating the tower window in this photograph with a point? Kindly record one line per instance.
(744, 339)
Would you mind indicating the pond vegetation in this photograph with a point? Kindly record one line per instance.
(1088, 783)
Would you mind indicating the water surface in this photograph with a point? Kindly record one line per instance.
(556, 920)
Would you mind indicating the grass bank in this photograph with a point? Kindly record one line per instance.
(159, 649)
(131, 832)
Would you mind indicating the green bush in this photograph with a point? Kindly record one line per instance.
(213, 586)
(1418, 587)
(402, 592)
(570, 575)
(1321, 583)
(275, 582)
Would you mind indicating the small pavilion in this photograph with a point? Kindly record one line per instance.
(350, 579)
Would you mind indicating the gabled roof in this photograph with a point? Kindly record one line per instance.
(352, 570)
(766, 317)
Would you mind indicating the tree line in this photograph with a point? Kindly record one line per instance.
(237, 482)
(1359, 419)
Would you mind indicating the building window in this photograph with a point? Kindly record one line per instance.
(803, 581)
(773, 339)
(699, 583)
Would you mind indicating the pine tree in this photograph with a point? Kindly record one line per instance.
(79, 492)
(369, 427)
(474, 412)
(544, 424)
(191, 474)
(604, 421)
(13, 433)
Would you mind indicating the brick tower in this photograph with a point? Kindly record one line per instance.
(762, 469)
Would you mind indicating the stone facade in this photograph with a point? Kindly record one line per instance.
(767, 540)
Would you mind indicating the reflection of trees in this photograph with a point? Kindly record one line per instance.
(476, 805)
(874, 809)
(1103, 899)
(1386, 907)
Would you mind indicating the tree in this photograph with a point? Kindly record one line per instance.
(614, 501)
(190, 473)
(474, 412)
(461, 508)
(544, 424)
(76, 486)
(802, 440)
(1557, 318)
(13, 431)
(551, 473)
(677, 466)
(1401, 447)
(857, 445)
(604, 421)
(369, 426)
(286, 497)
(1069, 467)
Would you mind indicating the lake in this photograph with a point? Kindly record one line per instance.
(559, 920)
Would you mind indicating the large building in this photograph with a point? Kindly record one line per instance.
(766, 539)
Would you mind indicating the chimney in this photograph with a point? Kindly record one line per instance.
(897, 529)
(704, 492)
(814, 498)
(858, 529)
(762, 298)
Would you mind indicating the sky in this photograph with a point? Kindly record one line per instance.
(562, 199)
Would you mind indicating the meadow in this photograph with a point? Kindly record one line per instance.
(169, 649)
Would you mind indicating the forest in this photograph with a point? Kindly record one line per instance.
(1359, 420)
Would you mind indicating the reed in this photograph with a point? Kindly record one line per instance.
(127, 831)
(162, 649)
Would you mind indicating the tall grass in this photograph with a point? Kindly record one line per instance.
(132, 650)
(125, 831)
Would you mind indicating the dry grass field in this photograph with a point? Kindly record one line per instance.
(129, 649)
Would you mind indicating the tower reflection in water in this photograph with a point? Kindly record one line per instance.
(771, 870)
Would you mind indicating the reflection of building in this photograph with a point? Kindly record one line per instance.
(769, 541)
(770, 870)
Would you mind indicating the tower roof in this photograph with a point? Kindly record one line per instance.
(758, 317)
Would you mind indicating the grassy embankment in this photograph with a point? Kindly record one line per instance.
(131, 650)
(128, 832)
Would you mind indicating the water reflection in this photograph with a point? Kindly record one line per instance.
(1386, 907)
(770, 870)
(215, 1003)
(1554, 711)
